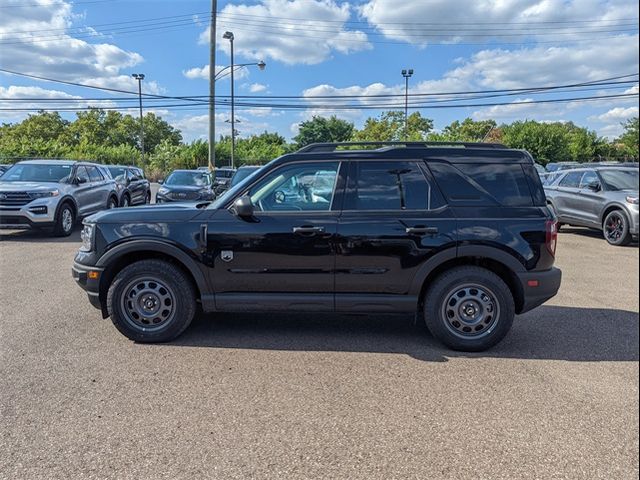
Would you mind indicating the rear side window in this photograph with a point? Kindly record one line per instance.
(571, 180)
(483, 184)
(389, 186)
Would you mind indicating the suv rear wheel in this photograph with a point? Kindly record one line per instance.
(151, 301)
(469, 309)
(616, 228)
(65, 221)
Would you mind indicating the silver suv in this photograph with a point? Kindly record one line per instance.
(604, 198)
(54, 194)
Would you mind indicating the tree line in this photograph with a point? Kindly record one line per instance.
(113, 138)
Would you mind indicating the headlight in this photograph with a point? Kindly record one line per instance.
(632, 200)
(86, 236)
(48, 193)
(163, 191)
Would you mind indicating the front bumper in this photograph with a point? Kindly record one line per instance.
(89, 283)
(538, 287)
(35, 214)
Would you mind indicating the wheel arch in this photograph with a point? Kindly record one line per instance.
(124, 254)
(610, 208)
(70, 200)
(492, 259)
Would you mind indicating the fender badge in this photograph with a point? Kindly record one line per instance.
(226, 255)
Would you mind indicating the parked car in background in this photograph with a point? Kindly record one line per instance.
(133, 187)
(186, 186)
(603, 198)
(539, 168)
(549, 177)
(222, 178)
(54, 194)
(555, 166)
(242, 173)
(4, 168)
(457, 234)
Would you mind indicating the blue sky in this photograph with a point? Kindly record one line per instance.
(325, 47)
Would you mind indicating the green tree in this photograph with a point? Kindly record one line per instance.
(547, 142)
(629, 139)
(321, 129)
(390, 126)
(466, 131)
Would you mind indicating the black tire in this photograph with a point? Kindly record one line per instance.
(486, 309)
(126, 200)
(112, 202)
(615, 228)
(149, 281)
(147, 198)
(65, 220)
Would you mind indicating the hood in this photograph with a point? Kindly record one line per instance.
(184, 188)
(30, 186)
(164, 213)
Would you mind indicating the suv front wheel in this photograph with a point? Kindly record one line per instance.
(151, 301)
(65, 221)
(469, 309)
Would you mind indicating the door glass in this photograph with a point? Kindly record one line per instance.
(571, 180)
(588, 178)
(389, 186)
(299, 187)
(94, 174)
(81, 175)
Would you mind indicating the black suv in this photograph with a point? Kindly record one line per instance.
(457, 233)
(133, 186)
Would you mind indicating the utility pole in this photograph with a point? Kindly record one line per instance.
(212, 86)
(229, 36)
(406, 74)
(139, 77)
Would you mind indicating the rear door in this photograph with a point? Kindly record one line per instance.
(100, 188)
(393, 220)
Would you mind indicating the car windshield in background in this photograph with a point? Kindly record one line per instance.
(242, 173)
(32, 172)
(118, 173)
(620, 179)
(192, 179)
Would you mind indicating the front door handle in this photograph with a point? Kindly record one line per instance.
(420, 230)
(308, 230)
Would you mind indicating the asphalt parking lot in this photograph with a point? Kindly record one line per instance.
(250, 396)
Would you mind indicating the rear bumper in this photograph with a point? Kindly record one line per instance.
(548, 284)
(80, 274)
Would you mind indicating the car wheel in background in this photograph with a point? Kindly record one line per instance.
(151, 301)
(65, 221)
(469, 309)
(616, 228)
(126, 201)
(112, 203)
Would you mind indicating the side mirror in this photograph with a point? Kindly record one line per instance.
(595, 186)
(161, 181)
(244, 207)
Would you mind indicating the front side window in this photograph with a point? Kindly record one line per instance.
(94, 174)
(299, 187)
(571, 180)
(82, 175)
(388, 186)
(588, 178)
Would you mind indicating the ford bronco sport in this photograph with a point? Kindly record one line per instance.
(457, 234)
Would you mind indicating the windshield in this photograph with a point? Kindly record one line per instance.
(620, 179)
(238, 187)
(118, 173)
(192, 179)
(32, 172)
(241, 174)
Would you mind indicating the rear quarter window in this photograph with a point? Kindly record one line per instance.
(483, 184)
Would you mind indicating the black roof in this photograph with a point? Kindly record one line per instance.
(454, 152)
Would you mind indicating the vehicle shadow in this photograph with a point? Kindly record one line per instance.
(589, 232)
(39, 236)
(547, 333)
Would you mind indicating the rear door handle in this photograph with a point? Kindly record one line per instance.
(308, 230)
(419, 230)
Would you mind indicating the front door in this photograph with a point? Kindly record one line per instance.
(394, 219)
(282, 258)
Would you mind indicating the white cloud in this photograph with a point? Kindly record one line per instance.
(197, 126)
(26, 48)
(257, 88)
(422, 22)
(618, 114)
(203, 73)
(313, 29)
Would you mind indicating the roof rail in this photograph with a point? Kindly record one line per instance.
(333, 146)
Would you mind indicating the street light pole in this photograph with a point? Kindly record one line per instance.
(406, 74)
(212, 86)
(229, 36)
(139, 77)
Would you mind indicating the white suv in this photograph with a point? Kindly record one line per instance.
(54, 194)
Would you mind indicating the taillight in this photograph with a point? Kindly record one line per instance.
(551, 227)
